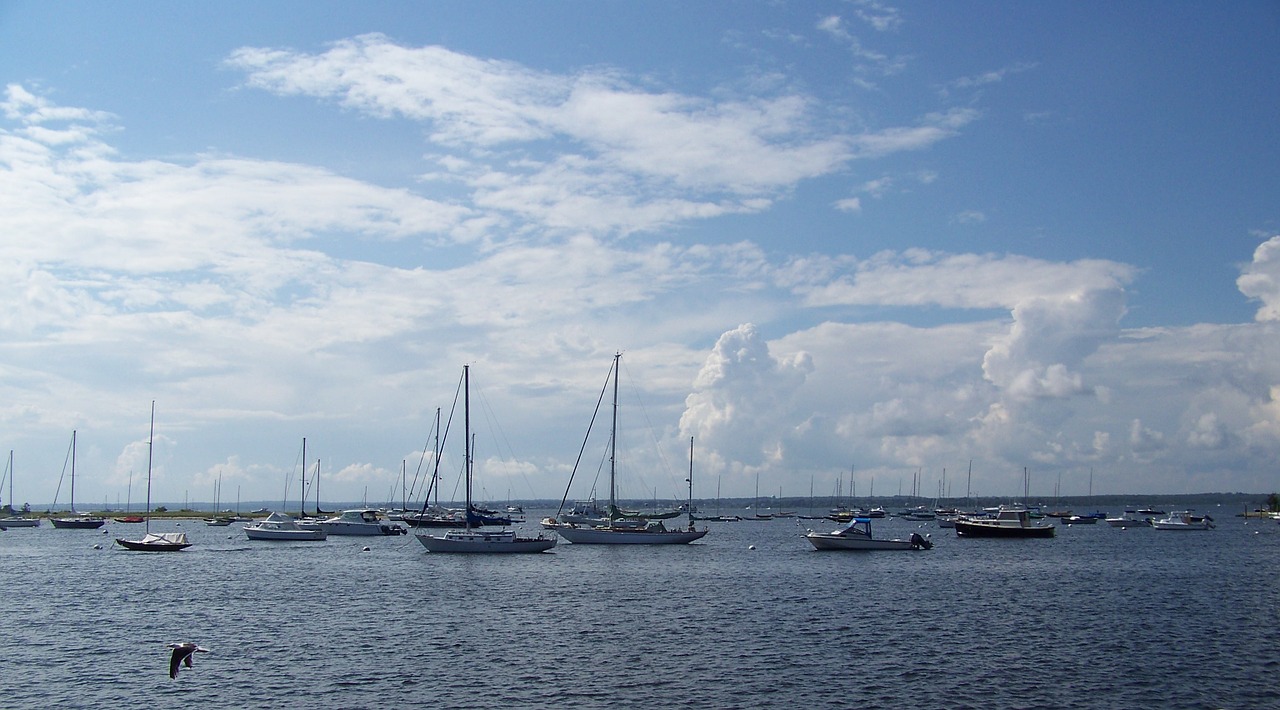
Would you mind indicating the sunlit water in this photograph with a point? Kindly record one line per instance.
(1097, 617)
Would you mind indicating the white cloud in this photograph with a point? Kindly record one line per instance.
(918, 277)
(1261, 279)
(741, 401)
(849, 204)
(624, 158)
(259, 296)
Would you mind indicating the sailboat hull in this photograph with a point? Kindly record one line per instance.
(471, 541)
(19, 522)
(628, 536)
(78, 523)
(157, 542)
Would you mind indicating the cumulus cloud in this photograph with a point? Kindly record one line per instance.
(740, 401)
(1261, 279)
(1049, 339)
(1143, 439)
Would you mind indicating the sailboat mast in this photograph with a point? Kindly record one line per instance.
(690, 481)
(73, 470)
(435, 473)
(151, 437)
(302, 506)
(466, 423)
(613, 440)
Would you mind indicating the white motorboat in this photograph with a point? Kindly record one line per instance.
(279, 526)
(857, 536)
(1129, 519)
(1183, 520)
(359, 521)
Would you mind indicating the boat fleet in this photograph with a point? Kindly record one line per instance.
(587, 522)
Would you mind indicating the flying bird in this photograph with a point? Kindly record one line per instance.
(182, 653)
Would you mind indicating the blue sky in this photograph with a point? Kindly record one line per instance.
(827, 237)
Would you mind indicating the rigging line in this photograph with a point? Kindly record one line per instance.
(508, 457)
(662, 457)
(417, 474)
(594, 414)
(65, 461)
(444, 438)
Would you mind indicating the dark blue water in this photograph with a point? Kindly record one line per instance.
(1097, 617)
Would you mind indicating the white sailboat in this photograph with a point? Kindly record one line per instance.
(77, 521)
(13, 519)
(618, 530)
(154, 542)
(471, 539)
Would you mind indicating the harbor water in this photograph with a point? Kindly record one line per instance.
(751, 616)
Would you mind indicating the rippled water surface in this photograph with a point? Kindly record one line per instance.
(1097, 617)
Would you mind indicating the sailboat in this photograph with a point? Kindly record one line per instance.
(432, 515)
(77, 521)
(471, 539)
(14, 520)
(129, 517)
(617, 529)
(219, 519)
(154, 542)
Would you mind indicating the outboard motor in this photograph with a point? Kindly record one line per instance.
(920, 543)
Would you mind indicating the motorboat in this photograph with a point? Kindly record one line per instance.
(857, 536)
(280, 526)
(435, 517)
(1129, 519)
(1078, 520)
(1183, 520)
(919, 512)
(359, 521)
(584, 512)
(1008, 521)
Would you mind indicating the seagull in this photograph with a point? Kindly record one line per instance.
(182, 653)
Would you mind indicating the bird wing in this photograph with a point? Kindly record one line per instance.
(175, 659)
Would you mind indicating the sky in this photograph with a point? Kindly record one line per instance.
(876, 248)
